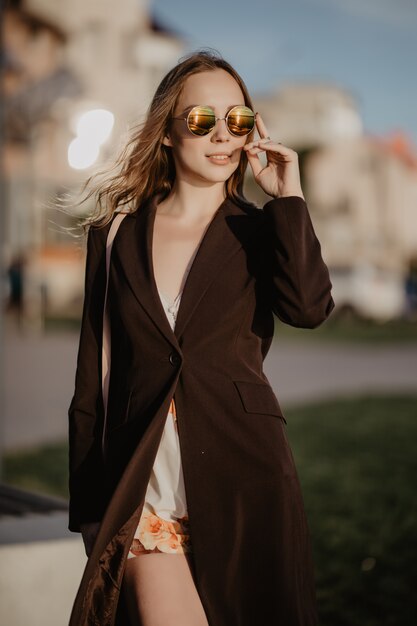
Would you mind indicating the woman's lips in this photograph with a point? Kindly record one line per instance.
(219, 159)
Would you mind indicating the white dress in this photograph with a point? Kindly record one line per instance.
(163, 526)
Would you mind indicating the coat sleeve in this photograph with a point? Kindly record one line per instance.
(86, 488)
(299, 282)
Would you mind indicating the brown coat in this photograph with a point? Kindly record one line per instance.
(251, 544)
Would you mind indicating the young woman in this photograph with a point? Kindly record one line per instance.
(187, 496)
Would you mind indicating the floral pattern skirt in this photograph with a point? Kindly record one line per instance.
(163, 525)
(160, 535)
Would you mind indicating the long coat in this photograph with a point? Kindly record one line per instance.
(251, 544)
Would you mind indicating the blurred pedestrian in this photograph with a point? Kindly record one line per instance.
(15, 304)
(411, 293)
(183, 483)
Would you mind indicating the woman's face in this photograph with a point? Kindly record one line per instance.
(195, 157)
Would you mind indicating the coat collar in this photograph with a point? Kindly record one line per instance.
(223, 237)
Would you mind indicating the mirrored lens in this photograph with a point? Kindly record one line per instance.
(201, 120)
(241, 120)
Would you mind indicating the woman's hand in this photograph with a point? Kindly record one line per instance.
(89, 534)
(281, 175)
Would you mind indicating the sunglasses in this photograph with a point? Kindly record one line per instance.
(240, 120)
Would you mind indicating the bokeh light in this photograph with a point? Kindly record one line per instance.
(93, 128)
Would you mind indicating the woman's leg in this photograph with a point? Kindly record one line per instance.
(159, 591)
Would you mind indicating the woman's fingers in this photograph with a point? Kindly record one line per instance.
(272, 149)
(254, 148)
(280, 176)
(260, 125)
(255, 163)
(267, 144)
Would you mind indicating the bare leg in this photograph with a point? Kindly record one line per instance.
(160, 590)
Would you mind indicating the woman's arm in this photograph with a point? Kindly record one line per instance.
(301, 287)
(86, 489)
(297, 275)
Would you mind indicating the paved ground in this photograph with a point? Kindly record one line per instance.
(40, 372)
(300, 373)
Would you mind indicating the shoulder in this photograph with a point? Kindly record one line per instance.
(290, 202)
(277, 209)
(98, 232)
(243, 207)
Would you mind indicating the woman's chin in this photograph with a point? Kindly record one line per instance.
(206, 179)
(217, 174)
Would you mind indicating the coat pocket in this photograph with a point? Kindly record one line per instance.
(258, 398)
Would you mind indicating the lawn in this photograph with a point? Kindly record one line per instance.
(357, 463)
(358, 466)
(352, 331)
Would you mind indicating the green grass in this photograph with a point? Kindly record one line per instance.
(352, 331)
(41, 469)
(357, 462)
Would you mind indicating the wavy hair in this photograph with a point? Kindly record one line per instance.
(145, 166)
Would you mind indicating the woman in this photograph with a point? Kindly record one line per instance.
(189, 501)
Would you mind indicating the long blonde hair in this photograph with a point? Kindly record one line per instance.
(145, 166)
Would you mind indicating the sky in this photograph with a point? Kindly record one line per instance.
(368, 47)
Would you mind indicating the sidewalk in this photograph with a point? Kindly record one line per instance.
(40, 375)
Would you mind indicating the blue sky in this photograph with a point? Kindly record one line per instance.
(368, 47)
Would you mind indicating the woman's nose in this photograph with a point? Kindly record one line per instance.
(220, 132)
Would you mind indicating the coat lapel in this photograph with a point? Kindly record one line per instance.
(216, 247)
(224, 236)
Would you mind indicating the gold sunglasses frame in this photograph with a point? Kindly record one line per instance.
(216, 119)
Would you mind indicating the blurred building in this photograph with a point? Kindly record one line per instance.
(92, 64)
(363, 194)
(306, 115)
(63, 60)
(361, 190)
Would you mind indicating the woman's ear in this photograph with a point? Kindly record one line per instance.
(167, 141)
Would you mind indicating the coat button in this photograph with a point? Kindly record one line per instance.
(174, 358)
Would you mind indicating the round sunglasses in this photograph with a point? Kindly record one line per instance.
(240, 120)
